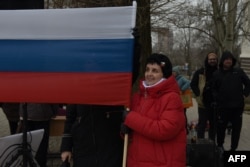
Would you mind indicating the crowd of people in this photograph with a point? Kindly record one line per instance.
(156, 122)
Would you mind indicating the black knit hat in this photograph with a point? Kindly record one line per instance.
(163, 61)
(225, 55)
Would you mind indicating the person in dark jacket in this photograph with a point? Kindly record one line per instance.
(92, 135)
(38, 117)
(231, 85)
(200, 85)
(11, 110)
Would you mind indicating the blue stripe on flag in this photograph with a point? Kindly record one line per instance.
(96, 55)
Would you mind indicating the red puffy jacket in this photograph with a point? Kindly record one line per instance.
(158, 123)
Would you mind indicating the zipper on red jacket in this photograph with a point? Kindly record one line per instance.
(145, 93)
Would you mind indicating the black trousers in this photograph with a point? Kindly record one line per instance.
(206, 114)
(41, 155)
(13, 127)
(185, 114)
(233, 115)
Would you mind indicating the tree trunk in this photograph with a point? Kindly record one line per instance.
(143, 24)
(231, 16)
(219, 24)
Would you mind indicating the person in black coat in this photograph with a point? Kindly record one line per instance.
(231, 85)
(200, 85)
(92, 134)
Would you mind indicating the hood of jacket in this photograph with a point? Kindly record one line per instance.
(177, 70)
(225, 55)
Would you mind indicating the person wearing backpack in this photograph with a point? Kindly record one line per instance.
(184, 84)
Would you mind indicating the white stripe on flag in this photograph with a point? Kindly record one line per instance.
(79, 23)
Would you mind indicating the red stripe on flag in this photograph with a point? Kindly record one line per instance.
(77, 88)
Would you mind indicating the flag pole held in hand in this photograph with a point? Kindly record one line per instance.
(125, 147)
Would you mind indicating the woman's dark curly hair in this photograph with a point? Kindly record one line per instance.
(163, 61)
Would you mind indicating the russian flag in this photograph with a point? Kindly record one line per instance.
(81, 55)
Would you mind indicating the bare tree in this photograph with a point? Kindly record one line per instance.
(214, 25)
(224, 19)
(174, 15)
(143, 23)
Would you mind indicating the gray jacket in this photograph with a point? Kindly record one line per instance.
(39, 111)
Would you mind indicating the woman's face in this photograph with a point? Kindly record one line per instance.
(153, 74)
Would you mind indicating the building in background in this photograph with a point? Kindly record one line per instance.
(245, 49)
(162, 38)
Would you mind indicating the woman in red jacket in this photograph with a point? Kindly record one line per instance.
(158, 137)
